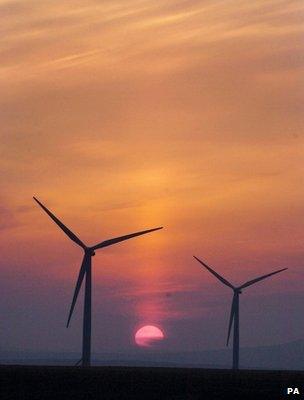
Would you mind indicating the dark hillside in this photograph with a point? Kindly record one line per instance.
(37, 383)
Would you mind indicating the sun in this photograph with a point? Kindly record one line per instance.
(148, 335)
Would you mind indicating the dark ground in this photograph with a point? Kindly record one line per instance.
(33, 383)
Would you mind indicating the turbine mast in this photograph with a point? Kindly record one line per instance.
(236, 332)
(86, 339)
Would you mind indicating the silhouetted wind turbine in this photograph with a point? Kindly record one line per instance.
(85, 271)
(234, 314)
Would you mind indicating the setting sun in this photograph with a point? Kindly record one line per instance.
(148, 335)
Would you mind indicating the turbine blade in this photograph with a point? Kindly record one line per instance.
(66, 230)
(81, 274)
(121, 238)
(219, 277)
(246, 284)
(232, 312)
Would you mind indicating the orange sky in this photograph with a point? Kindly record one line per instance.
(125, 115)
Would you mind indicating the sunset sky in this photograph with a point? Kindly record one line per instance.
(125, 115)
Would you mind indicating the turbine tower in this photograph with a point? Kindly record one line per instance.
(85, 272)
(234, 313)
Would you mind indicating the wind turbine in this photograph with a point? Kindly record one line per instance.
(234, 313)
(85, 271)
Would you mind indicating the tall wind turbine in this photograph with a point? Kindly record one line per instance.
(85, 271)
(234, 314)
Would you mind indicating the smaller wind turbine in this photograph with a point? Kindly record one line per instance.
(234, 313)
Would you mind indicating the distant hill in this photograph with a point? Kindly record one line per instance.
(288, 356)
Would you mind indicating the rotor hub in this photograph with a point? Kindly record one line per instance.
(90, 252)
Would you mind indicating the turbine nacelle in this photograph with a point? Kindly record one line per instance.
(89, 251)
